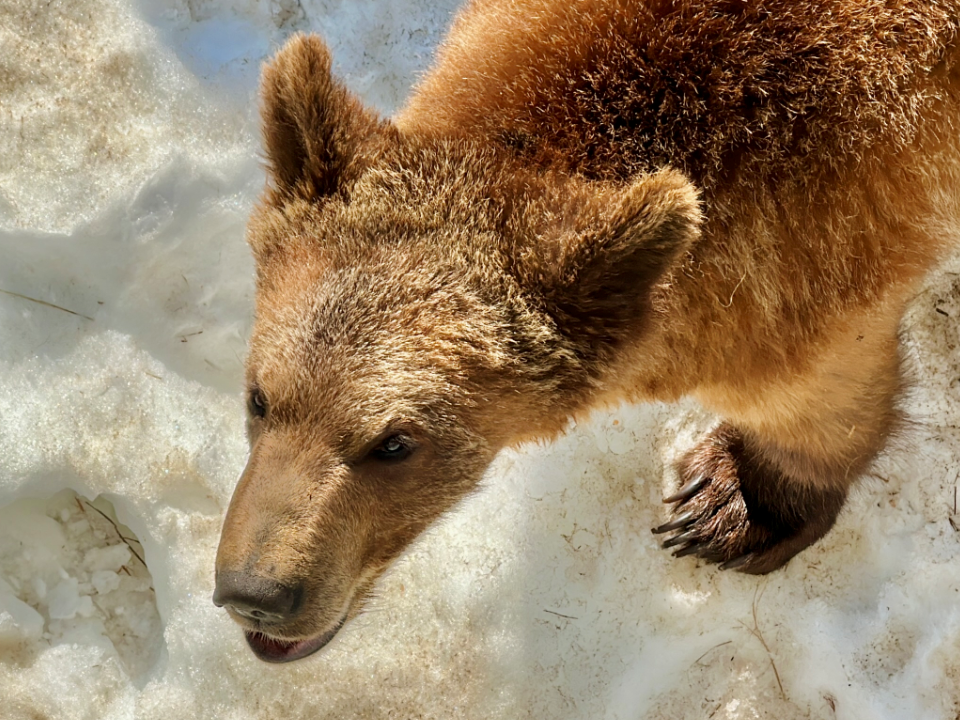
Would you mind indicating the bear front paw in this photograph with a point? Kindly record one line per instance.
(734, 509)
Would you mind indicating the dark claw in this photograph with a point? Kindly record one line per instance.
(677, 539)
(676, 523)
(713, 557)
(736, 562)
(688, 550)
(688, 490)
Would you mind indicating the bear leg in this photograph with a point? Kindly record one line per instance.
(735, 507)
(765, 485)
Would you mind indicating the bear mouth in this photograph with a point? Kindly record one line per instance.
(274, 650)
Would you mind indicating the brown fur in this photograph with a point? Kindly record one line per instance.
(514, 248)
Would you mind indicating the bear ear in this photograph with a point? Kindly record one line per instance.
(312, 125)
(605, 249)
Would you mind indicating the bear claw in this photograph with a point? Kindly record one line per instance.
(736, 562)
(688, 490)
(691, 549)
(675, 524)
(678, 539)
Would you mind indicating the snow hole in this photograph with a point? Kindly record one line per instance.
(71, 573)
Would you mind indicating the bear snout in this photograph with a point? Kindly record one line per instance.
(257, 598)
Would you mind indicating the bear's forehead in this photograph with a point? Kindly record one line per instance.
(355, 296)
(398, 337)
(346, 389)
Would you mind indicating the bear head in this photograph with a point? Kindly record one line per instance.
(421, 302)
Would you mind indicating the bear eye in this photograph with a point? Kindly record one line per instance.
(393, 449)
(256, 403)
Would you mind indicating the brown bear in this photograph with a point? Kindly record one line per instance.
(585, 202)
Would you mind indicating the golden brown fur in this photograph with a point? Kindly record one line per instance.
(584, 202)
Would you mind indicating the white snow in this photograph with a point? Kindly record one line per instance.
(128, 164)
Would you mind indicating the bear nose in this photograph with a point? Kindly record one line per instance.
(256, 597)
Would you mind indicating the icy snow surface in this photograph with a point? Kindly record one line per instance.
(128, 164)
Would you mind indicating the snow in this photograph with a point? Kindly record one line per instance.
(128, 164)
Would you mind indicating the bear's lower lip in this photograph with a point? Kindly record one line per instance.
(273, 650)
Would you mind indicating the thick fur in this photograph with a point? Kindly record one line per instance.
(587, 202)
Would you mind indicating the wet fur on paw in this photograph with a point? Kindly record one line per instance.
(735, 507)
